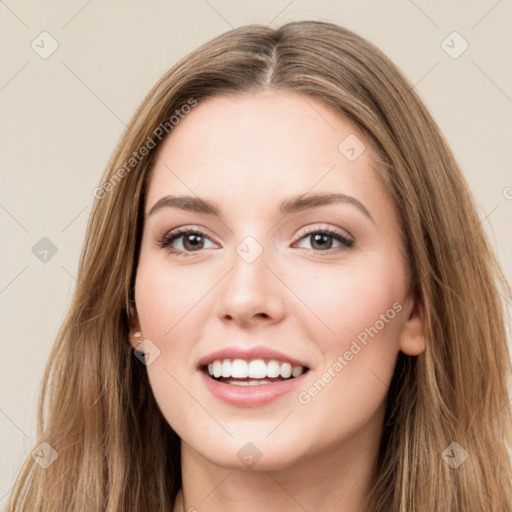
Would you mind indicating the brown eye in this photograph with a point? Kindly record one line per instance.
(322, 240)
(190, 240)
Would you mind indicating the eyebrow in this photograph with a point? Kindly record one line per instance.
(291, 205)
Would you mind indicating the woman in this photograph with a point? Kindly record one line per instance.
(285, 301)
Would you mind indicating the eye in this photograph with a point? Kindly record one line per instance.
(322, 240)
(193, 241)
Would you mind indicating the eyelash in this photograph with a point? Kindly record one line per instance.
(170, 237)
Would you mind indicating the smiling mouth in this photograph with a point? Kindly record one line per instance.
(254, 372)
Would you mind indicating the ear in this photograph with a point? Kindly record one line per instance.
(135, 335)
(413, 339)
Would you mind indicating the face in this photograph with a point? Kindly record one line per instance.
(273, 276)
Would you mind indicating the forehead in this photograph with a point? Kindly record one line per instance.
(260, 145)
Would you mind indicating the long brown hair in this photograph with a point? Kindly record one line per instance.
(116, 451)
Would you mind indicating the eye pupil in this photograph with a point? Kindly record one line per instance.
(193, 239)
(317, 238)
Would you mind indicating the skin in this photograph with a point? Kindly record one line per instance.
(311, 301)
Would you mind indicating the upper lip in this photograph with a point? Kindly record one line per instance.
(259, 352)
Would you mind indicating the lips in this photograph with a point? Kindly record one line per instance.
(250, 377)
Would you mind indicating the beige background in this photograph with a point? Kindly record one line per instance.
(62, 116)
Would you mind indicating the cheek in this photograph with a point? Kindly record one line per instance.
(172, 304)
(362, 308)
(166, 296)
(346, 300)
(162, 303)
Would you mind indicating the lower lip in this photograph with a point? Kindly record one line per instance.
(250, 396)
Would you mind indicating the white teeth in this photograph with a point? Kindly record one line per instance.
(255, 369)
(226, 368)
(248, 382)
(286, 370)
(297, 370)
(273, 369)
(217, 369)
(239, 369)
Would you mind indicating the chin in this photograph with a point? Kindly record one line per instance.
(239, 453)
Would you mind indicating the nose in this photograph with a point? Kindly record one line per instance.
(251, 293)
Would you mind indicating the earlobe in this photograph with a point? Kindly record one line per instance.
(413, 336)
(135, 335)
(135, 338)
